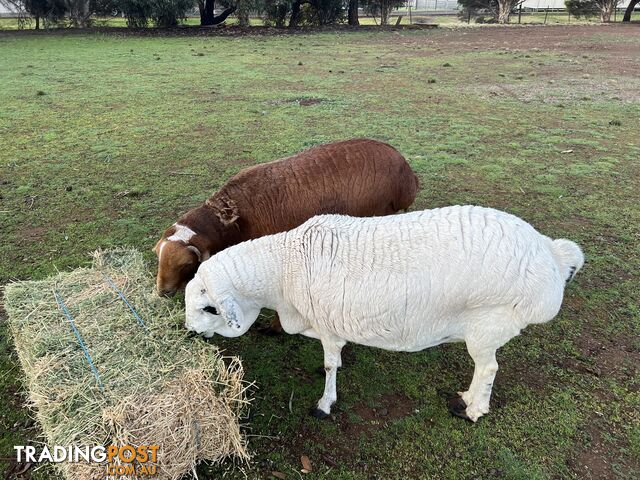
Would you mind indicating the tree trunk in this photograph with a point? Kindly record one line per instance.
(207, 18)
(606, 10)
(201, 10)
(295, 14)
(80, 13)
(353, 13)
(504, 11)
(223, 16)
(385, 11)
(206, 14)
(630, 7)
(242, 13)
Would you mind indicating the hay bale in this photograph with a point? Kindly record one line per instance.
(153, 385)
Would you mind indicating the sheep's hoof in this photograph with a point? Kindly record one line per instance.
(318, 413)
(458, 407)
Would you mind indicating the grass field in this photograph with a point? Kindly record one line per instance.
(105, 140)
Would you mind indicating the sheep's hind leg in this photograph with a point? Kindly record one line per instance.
(474, 403)
(332, 348)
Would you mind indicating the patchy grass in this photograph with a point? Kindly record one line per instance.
(130, 132)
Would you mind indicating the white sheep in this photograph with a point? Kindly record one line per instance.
(405, 282)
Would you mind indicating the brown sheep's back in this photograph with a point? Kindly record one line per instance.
(358, 177)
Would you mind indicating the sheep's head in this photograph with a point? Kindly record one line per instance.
(208, 312)
(177, 264)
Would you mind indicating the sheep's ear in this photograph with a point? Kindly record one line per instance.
(225, 209)
(195, 250)
(232, 314)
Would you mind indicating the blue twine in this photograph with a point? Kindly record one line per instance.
(121, 295)
(65, 310)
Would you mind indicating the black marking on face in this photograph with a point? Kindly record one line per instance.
(211, 310)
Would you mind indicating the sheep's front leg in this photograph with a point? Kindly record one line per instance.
(474, 403)
(332, 348)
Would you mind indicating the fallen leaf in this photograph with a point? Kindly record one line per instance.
(567, 151)
(306, 463)
(279, 475)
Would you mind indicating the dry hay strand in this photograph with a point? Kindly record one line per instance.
(156, 386)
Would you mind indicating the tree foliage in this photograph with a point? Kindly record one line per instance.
(163, 13)
(592, 8)
(582, 8)
(50, 11)
(382, 8)
(499, 10)
(81, 11)
(78, 13)
(302, 12)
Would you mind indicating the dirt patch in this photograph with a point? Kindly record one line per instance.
(376, 416)
(599, 62)
(385, 409)
(306, 102)
(530, 375)
(602, 356)
(595, 461)
(32, 235)
(533, 38)
(303, 102)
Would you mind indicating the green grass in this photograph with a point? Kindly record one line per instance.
(105, 140)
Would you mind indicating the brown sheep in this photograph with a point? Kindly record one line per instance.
(355, 177)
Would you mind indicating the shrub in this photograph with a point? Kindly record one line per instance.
(163, 13)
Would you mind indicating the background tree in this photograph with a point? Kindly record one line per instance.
(80, 12)
(323, 12)
(505, 7)
(630, 7)
(163, 13)
(382, 8)
(275, 12)
(582, 8)
(243, 8)
(591, 8)
(17, 6)
(207, 15)
(500, 10)
(352, 13)
(303, 12)
(50, 11)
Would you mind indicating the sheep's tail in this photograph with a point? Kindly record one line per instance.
(568, 256)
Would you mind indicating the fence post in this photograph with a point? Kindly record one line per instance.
(546, 13)
(468, 15)
(519, 14)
